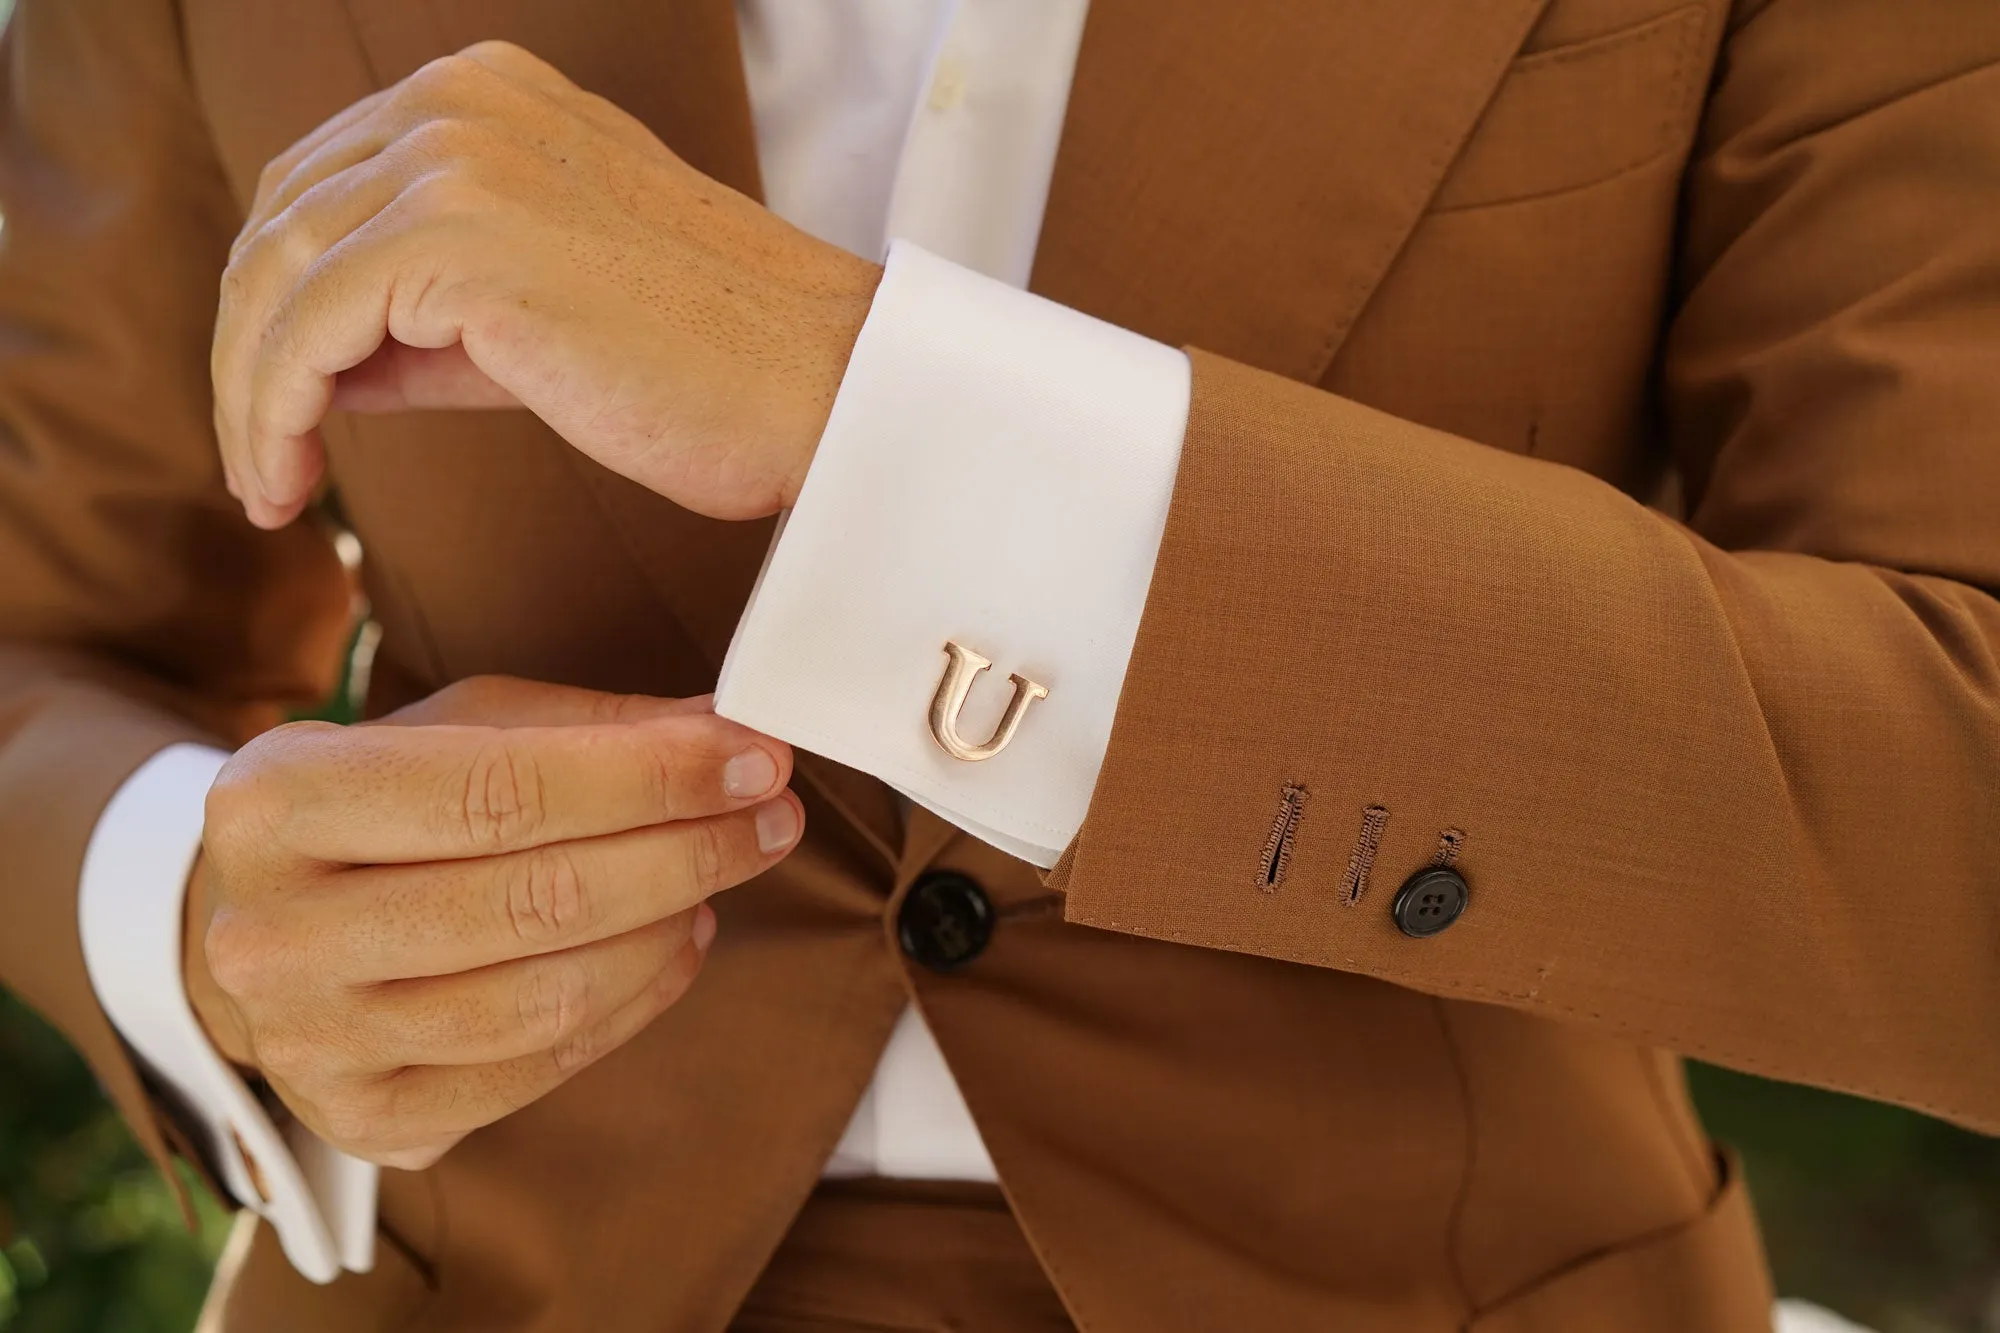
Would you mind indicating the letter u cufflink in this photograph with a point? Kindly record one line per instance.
(962, 666)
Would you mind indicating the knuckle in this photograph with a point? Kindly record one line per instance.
(243, 797)
(503, 803)
(452, 194)
(237, 284)
(449, 80)
(661, 774)
(572, 1054)
(243, 953)
(551, 1003)
(447, 74)
(707, 853)
(444, 138)
(255, 796)
(273, 175)
(285, 244)
(545, 898)
(247, 256)
(618, 708)
(297, 241)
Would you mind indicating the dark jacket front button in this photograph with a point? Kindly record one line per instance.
(945, 921)
(1429, 901)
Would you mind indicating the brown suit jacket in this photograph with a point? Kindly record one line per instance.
(1470, 281)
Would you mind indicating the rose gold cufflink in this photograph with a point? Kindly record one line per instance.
(961, 666)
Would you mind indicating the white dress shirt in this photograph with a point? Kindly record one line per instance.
(996, 470)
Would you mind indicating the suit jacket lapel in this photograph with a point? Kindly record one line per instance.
(1240, 177)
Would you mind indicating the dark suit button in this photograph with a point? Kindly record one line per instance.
(1429, 901)
(945, 921)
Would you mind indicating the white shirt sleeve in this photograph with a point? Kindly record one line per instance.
(130, 900)
(996, 471)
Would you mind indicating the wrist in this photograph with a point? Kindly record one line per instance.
(840, 307)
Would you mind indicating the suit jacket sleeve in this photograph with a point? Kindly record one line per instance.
(1730, 786)
(137, 607)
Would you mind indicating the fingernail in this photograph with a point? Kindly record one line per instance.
(777, 826)
(751, 773)
(703, 932)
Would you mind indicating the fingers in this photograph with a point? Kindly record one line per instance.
(285, 165)
(516, 1008)
(374, 795)
(279, 387)
(370, 124)
(396, 378)
(365, 126)
(437, 1105)
(312, 278)
(346, 264)
(398, 1006)
(262, 276)
(358, 138)
(411, 1115)
(397, 922)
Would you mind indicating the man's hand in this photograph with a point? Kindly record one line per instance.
(413, 930)
(486, 234)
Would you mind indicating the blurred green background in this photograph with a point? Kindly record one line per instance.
(1883, 1215)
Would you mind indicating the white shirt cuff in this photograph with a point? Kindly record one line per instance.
(996, 471)
(130, 901)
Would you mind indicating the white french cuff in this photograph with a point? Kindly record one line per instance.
(130, 900)
(996, 472)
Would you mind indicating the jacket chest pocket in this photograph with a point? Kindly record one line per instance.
(1577, 113)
